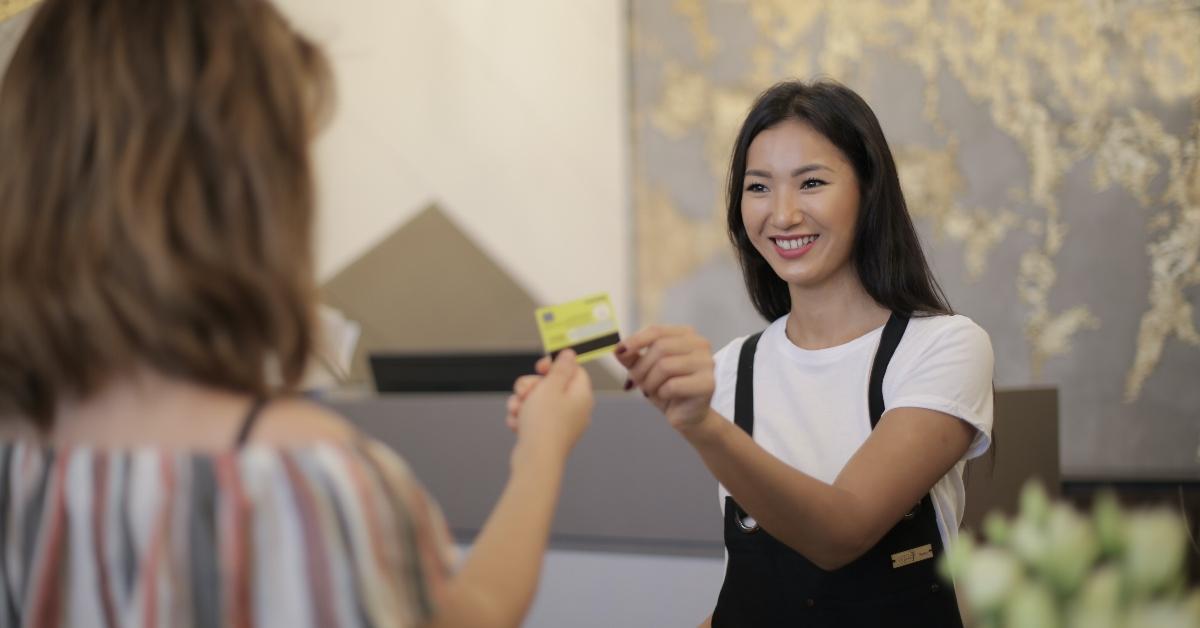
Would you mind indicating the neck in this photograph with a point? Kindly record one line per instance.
(832, 313)
(146, 407)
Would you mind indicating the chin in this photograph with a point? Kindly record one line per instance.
(805, 278)
(800, 280)
(797, 272)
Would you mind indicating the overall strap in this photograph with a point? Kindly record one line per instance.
(248, 422)
(743, 393)
(893, 331)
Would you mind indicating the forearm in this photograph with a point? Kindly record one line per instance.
(496, 585)
(819, 520)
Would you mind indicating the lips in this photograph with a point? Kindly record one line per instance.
(794, 246)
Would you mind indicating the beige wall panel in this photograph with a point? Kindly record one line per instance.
(428, 288)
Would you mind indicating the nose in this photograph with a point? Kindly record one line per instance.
(786, 211)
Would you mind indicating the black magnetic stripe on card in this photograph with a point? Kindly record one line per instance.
(592, 345)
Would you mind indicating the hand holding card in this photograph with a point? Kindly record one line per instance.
(587, 327)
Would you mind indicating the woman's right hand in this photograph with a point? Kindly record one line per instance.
(673, 366)
(554, 409)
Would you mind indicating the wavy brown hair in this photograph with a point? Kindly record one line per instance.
(156, 198)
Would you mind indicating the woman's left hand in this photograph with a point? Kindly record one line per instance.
(521, 389)
(673, 367)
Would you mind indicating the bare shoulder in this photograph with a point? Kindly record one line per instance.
(298, 421)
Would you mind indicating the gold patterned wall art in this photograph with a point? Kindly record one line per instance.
(1049, 150)
(9, 8)
(14, 16)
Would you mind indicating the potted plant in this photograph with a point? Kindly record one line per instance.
(1054, 567)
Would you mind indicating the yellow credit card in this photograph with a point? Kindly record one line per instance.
(588, 326)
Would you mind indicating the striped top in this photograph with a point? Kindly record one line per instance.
(326, 535)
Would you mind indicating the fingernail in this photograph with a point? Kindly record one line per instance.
(620, 350)
(628, 384)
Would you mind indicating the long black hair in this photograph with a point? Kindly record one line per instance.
(886, 252)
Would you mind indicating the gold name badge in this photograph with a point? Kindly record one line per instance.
(914, 555)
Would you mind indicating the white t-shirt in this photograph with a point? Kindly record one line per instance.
(811, 410)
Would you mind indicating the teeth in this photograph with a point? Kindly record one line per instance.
(795, 243)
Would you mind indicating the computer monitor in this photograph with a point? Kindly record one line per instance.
(450, 372)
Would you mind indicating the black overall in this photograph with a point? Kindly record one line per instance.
(895, 584)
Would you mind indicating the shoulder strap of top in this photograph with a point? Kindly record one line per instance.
(743, 395)
(248, 422)
(743, 401)
(893, 331)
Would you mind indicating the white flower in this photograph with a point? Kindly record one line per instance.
(1034, 504)
(996, 528)
(1102, 591)
(1162, 615)
(1155, 546)
(989, 577)
(1071, 549)
(954, 562)
(1098, 601)
(1192, 604)
(1031, 606)
(1052, 567)
(1091, 618)
(1028, 540)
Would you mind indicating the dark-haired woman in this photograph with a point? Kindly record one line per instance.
(839, 433)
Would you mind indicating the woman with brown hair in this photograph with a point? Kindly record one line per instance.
(156, 310)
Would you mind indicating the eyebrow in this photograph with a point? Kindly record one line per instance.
(802, 170)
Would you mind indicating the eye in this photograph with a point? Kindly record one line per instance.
(811, 184)
(756, 188)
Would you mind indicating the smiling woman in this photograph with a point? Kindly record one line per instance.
(819, 480)
(834, 128)
(800, 205)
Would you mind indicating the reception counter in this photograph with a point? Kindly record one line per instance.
(632, 485)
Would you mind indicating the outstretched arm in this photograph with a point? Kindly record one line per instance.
(833, 524)
(497, 583)
(830, 524)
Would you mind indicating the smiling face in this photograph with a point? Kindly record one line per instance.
(800, 203)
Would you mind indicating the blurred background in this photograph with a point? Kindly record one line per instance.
(1047, 149)
(487, 157)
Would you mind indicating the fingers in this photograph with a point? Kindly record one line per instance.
(581, 383)
(559, 374)
(562, 369)
(512, 407)
(667, 347)
(673, 367)
(630, 349)
(521, 389)
(524, 384)
(693, 385)
(633, 350)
